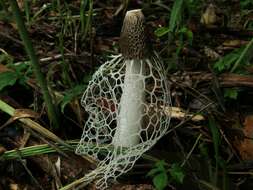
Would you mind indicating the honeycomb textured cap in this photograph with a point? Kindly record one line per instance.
(133, 37)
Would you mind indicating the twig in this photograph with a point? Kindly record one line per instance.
(188, 119)
(193, 147)
(30, 173)
(226, 79)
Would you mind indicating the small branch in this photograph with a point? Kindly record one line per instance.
(226, 80)
(192, 149)
(227, 31)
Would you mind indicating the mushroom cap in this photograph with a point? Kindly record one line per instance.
(133, 38)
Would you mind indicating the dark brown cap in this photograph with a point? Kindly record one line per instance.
(133, 38)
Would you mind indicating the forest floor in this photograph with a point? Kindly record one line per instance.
(206, 48)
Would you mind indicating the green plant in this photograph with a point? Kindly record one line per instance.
(231, 93)
(159, 175)
(216, 143)
(27, 11)
(246, 4)
(64, 66)
(5, 58)
(235, 59)
(52, 110)
(176, 17)
(33, 18)
(7, 78)
(11, 73)
(176, 31)
(37, 150)
(85, 19)
(19, 72)
(245, 56)
(177, 173)
(71, 94)
(2, 4)
(226, 62)
(162, 176)
(215, 178)
(234, 62)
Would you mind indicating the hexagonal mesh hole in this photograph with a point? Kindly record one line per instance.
(102, 100)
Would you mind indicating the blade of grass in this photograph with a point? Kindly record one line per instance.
(192, 149)
(6, 108)
(2, 4)
(216, 142)
(207, 185)
(245, 55)
(40, 12)
(64, 65)
(88, 20)
(52, 111)
(27, 11)
(82, 14)
(176, 15)
(37, 150)
(46, 149)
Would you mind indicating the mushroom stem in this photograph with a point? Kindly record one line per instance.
(131, 105)
(133, 48)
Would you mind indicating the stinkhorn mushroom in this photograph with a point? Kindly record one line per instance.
(126, 101)
(134, 50)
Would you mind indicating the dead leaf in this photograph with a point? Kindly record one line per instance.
(245, 147)
(20, 4)
(20, 113)
(234, 43)
(2, 150)
(209, 17)
(179, 113)
(24, 113)
(14, 186)
(3, 68)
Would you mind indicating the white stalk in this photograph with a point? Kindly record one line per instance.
(131, 105)
(133, 48)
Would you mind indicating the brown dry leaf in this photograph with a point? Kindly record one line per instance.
(14, 25)
(234, 43)
(20, 4)
(14, 186)
(24, 113)
(20, 113)
(245, 147)
(209, 17)
(2, 150)
(3, 68)
(250, 68)
(179, 113)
